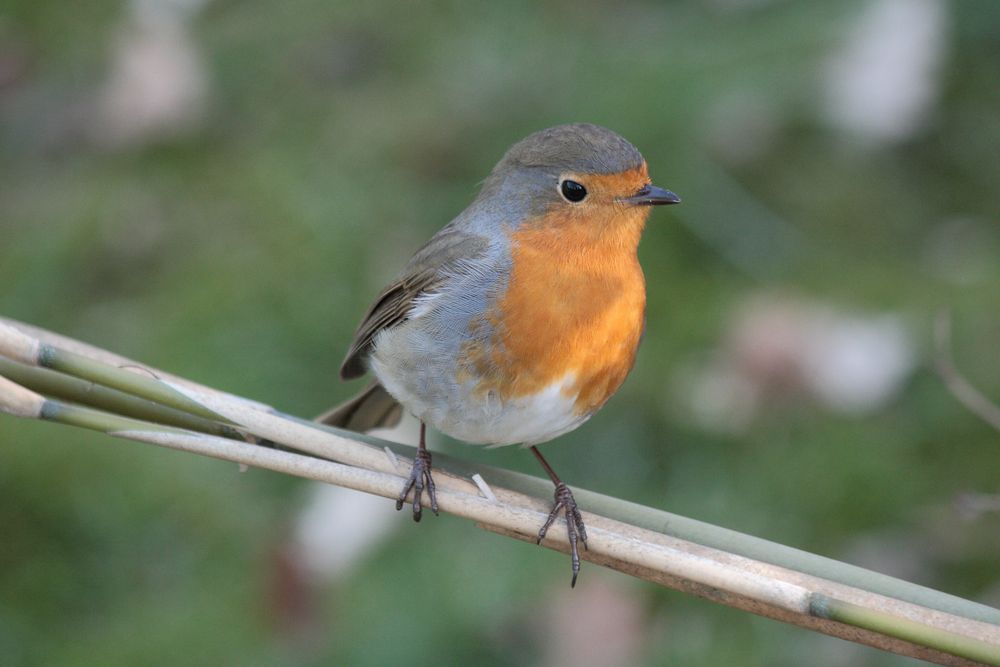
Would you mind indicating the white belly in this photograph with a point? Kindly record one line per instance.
(425, 385)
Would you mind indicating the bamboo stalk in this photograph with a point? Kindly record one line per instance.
(710, 535)
(95, 420)
(305, 437)
(30, 351)
(147, 387)
(20, 402)
(946, 630)
(903, 628)
(637, 551)
(41, 336)
(66, 387)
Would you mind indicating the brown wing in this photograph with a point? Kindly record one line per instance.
(422, 274)
(372, 408)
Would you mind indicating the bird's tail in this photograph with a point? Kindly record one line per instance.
(372, 408)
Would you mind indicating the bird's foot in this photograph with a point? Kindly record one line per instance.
(420, 478)
(574, 525)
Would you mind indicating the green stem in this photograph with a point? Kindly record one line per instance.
(96, 420)
(143, 386)
(891, 625)
(69, 388)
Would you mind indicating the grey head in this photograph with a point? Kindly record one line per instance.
(576, 147)
(525, 180)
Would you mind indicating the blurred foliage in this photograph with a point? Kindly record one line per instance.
(338, 136)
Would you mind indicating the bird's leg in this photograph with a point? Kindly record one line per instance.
(420, 477)
(574, 522)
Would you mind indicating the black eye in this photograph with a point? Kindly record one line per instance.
(573, 191)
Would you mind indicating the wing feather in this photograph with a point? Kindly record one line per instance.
(422, 274)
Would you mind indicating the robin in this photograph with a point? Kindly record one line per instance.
(521, 317)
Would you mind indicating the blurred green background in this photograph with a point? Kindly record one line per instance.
(218, 189)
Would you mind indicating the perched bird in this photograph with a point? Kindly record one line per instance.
(521, 317)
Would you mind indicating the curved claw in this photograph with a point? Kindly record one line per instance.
(574, 525)
(420, 478)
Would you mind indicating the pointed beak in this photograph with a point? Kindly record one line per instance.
(650, 195)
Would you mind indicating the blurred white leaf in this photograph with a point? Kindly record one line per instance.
(157, 87)
(855, 365)
(882, 83)
(781, 346)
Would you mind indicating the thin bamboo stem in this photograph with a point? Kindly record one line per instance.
(903, 628)
(67, 387)
(143, 386)
(20, 335)
(18, 401)
(716, 563)
(95, 420)
(637, 551)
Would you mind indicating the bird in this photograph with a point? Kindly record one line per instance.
(521, 317)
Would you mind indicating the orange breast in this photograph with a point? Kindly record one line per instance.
(575, 304)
